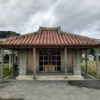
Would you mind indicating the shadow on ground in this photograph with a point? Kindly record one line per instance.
(3, 84)
(86, 83)
(11, 99)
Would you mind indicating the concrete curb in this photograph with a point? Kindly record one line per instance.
(8, 76)
(89, 76)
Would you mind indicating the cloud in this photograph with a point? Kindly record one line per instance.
(17, 14)
(78, 16)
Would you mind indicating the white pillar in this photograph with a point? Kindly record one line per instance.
(12, 62)
(2, 62)
(22, 61)
(97, 63)
(65, 61)
(86, 70)
(77, 62)
(34, 63)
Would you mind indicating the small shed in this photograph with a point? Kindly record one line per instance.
(49, 51)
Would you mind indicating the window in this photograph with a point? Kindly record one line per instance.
(50, 60)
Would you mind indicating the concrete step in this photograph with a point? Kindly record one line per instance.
(50, 77)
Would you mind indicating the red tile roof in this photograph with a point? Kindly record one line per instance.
(50, 36)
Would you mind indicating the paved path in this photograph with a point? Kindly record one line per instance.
(49, 90)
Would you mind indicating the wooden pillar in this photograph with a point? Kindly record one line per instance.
(86, 59)
(97, 63)
(65, 61)
(34, 63)
(2, 63)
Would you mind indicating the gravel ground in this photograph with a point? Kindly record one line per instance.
(49, 90)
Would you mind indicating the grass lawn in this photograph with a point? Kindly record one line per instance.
(91, 67)
(6, 70)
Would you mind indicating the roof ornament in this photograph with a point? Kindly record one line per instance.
(49, 29)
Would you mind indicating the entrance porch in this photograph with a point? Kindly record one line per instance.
(50, 63)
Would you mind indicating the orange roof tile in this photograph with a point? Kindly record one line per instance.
(50, 36)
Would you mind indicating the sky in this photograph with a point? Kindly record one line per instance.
(76, 16)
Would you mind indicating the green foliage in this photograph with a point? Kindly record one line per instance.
(6, 58)
(90, 51)
(6, 70)
(91, 67)
(5, 34)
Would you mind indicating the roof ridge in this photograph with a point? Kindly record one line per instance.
(49, 29)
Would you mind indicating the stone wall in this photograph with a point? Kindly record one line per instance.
(77, 61)
(22, 61)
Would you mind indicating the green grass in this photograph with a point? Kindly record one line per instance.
(6, 70)
(91, 68)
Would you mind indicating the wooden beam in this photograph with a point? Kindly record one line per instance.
(86, 59)
(34, 63)
(65, 61)
(2, 63)
(97, 63)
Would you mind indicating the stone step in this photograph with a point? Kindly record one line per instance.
(50, 77)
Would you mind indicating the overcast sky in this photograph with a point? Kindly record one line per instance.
(75, 16)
